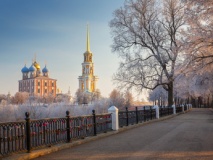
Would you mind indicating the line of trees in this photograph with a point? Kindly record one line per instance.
(12, 108)
(121, 100)
(87, 97)
(24, 97)
(116, 98)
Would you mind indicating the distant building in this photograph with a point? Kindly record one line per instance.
(87, 82)
(35, 82)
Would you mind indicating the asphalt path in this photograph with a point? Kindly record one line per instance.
(188, 136)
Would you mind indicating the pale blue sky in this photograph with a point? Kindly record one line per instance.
(56, 31)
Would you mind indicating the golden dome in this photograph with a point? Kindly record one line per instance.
(36, 65)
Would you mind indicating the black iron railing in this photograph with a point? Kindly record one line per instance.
(12, 137)
(185, 107)
(145, 114)
(47, 132)
(141, 116)
(170, 110)
(149, 113)
(30, 134)
(165, 111)
(138, 116)
(178, 109)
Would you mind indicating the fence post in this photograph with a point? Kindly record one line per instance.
(68, 126)
(136, 113)
(182, 108)
(187, 107)
(114, 114)
(28, 132)
(174, 109)
(127, 117)
(157, 112)
(94, 122)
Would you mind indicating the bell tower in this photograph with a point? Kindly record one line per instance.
(87, 82)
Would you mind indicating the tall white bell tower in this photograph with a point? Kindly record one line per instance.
(87, 82)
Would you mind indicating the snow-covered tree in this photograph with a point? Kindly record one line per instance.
(158, 96)
(20, 97)
(48, 98)
(128, 97)
(3, 98)
(199, 33)
(96, 95)
(117, 99)
(195, 86)
(146, 35)
(87, 97)
(63, 98)
(79, 96)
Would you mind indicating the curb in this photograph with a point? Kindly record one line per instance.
(44, 151)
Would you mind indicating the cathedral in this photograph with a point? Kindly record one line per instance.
(36, 83)
(87, 82)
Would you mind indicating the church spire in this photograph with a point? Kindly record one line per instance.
(88, 42)
(87, 82)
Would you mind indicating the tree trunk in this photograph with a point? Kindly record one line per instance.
(208, 102)
(170, 94)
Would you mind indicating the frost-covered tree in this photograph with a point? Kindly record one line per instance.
(87, 97)
(158, 96)
(3, 97)
(128, 97)
(96, 95)
(39, 108)
(117, 99)
(48, 98)
(39, 111)
(199, 33)
(61, 98)
(20, 97)
(146, 35)
(197, 87)
(79, 96)
(196, 77)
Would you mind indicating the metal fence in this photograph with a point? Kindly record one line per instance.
(134, 117)
(165, 111)
(185, 107)
(30, 134)
(12, 137)
(178, 109)
(145, 114)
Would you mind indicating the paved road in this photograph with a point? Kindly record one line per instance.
(187, 137)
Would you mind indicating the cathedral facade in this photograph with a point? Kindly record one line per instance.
(87, 82)
(35, 82)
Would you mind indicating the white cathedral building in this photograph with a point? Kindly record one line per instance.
(87, 82)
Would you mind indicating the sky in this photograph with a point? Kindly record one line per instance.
(55, 30)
